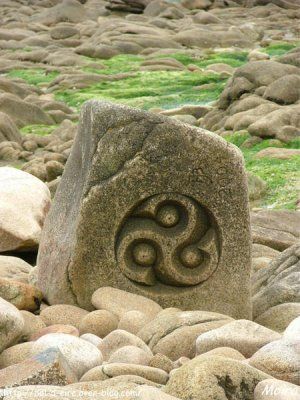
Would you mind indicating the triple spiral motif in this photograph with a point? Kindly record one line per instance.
(168, 238)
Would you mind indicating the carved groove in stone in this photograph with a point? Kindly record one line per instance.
(168, 238)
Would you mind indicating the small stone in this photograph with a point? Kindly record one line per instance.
(21, 295)
(279, 359)
(11, 324)
(30, 145)
(186, 119)
(279, 317)
(100, 323)
(81, 355)
(174, 332)
(130, 355)
(24, 203)
(108, 371)
(293, 330)
(15, 354)
(54, 169)
(63, 314)
(14, 268)
(117, 339)
(133, 321)
(275, 152)
(57, 328)
(162, 362)
(48, 367)
(91, 338)
(119, 302)
(32, 324)
(227, 352)
(242, 335)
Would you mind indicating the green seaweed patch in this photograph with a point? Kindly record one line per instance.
(116, 64)
(281, 176)
(234, 59)
(147, 89)
(279, 49)
(41, 130)
(37, 76)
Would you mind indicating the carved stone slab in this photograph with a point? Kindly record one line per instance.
(152, 206)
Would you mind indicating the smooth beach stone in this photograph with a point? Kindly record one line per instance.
(156, 208)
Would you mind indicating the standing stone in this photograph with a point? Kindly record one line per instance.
(151, 206)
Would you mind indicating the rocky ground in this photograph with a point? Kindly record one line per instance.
(229, 66)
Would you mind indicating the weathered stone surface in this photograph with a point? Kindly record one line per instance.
(147, 187)
(174, 333)
(32, 324)
(57, 328)
(280, 359)
(8, 129)
(276, 229)
(227, 352)
(245, 336)
(21, 295)
(26, 197)
(21, 112)
(91, 338)
(293, 330)
(119, 338)
(133, 321)
(119, 302)
(14, 268)
(130, 355)
(63, 314)
(214, 377)
(100, 323)
(279, 317)
(80, 354)
(278, 283)
(15, 354)
(161, 361)
(108, 371)
(11, 324)
(48, 367)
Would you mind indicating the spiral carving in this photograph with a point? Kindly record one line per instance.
(168, 238)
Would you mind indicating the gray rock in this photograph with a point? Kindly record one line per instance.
(242, 335)
(81, 355)
(278, 283)
(276, 229)
(214, 377)
(174, 333)
(279, 359)
(148, 177)
(118, 339)
(130, 355)
(8, 129)
(24, 203)
(108, 371)
(279, 317)
(120, 302)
